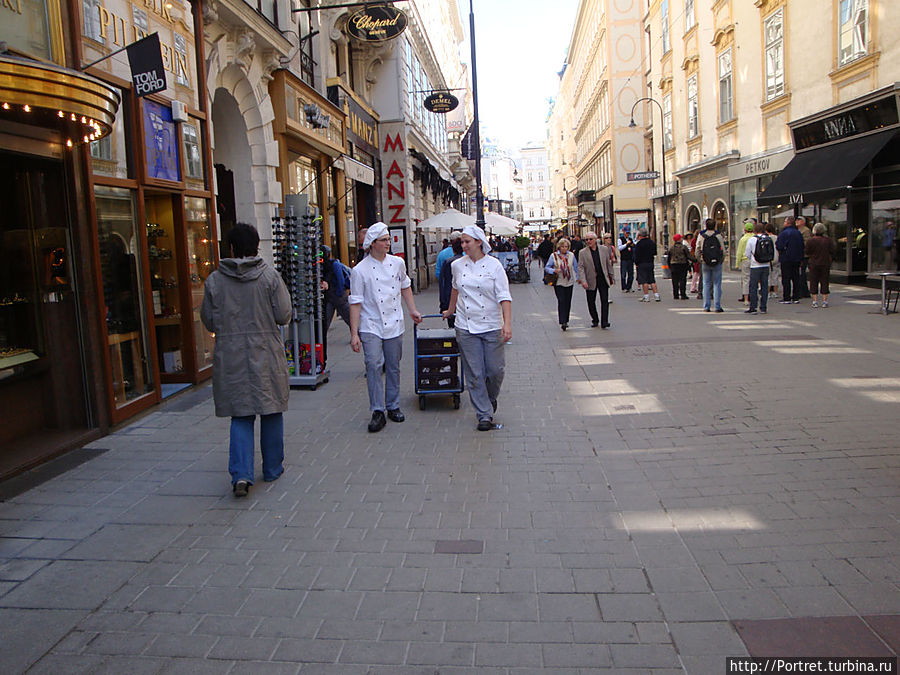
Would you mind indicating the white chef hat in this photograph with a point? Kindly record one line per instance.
(477, 233)
(374, 232)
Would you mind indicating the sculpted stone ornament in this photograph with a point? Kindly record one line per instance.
(210, 12)
(244, 44)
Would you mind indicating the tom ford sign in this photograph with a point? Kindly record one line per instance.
(377, 24)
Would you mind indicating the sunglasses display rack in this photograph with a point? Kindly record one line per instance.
(296, 242)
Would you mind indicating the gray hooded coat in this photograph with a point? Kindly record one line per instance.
(244, 301)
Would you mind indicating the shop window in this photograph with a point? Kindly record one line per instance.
(92, 28)
(774, 34)
(181, 61)
(193, 155)
(268, 8)
(726, 91)
(161, 142)
(123, 296)
(693, 107)
(853, 31)
(304, 179)
(200, 261)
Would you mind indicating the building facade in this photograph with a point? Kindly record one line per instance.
(747, 113)
(537, 208)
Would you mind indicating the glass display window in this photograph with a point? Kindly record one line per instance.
(304, 178)
(192, 143)
(164, 283)
(201, 261)
(885, 219)
(123, 295)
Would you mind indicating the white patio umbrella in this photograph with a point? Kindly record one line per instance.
(501, 225)
(451, 219)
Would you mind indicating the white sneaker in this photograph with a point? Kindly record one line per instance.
(816, 304)
(646, 298)
(825, 304)
(656, 297)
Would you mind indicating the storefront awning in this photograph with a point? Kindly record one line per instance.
(82, 108)
(824, 172)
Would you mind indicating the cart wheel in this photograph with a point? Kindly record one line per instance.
(325, 381)
(421, 403)
(456, 401)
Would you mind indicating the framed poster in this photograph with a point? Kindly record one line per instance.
(160, 142)
(629, 222)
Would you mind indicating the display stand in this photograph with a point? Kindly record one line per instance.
(296, 243)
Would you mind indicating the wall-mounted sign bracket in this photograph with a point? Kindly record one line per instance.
(345, 5)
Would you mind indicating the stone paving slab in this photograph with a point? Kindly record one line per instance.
(651, 486)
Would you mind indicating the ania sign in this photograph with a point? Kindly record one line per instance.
(377, 24)
(441, 102)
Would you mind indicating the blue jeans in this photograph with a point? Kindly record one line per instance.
(378, 352)
(484, 363)
(759, 286)
(271, 442)
(712, 285)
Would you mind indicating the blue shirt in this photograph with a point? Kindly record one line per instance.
(445, 254)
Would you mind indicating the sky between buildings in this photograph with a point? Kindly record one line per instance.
(521, 46)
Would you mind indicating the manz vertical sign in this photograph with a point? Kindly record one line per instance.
(145, 59)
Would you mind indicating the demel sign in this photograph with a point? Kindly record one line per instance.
(377, 24)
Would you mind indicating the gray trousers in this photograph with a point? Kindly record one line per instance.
(485, 363)
(380, 352)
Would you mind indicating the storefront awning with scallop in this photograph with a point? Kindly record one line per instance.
(82, 108)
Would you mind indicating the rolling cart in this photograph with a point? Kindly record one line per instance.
(438, 370)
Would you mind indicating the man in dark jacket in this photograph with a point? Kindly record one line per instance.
(644, 254)
(626, 255)
(545, 250)
(244, 302)
(790, 252)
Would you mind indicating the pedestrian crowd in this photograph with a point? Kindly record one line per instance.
(245, 301)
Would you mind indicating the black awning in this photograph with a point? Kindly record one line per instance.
(824, 172)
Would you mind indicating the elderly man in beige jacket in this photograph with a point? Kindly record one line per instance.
(595, 272)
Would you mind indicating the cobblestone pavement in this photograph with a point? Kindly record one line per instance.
(652, 486)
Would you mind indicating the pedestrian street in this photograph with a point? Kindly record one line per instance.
(677, 489)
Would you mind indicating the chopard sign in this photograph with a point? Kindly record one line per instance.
(377, 24)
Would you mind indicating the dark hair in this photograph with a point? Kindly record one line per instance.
(710, 224)
(456, 245)
(770, 228)
(244, 240)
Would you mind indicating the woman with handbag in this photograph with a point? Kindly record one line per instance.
(562, 266)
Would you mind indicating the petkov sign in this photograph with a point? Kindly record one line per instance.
(377, 24)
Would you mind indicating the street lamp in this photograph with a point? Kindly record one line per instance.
(476, 132)
(632, 125)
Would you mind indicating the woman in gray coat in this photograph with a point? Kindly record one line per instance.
(244, 302)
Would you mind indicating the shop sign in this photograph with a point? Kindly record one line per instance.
(316, 118)
(642, 175)
(358, 171)
(395, 179)
(377, 24)
(362, 129)
(441, 102)
(869, 117)
(145, 59)
(160, 142)
(759, 166)
(25, 26)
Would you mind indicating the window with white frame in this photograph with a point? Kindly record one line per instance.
(726, 91)
(410, 81)
(664, 15)
(853, 35)
(774, 33)
(668, 136)
(689, 19)
(693, 107)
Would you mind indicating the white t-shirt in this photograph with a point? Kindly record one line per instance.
(376, 286)
(751, 252)
(482, 286)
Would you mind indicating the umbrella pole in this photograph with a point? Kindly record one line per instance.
(476, 136)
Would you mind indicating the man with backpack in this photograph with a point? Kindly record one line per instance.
(712, 255)
(760, 252)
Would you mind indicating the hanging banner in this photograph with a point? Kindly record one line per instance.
(441, 102)
(145, 59)
(468, 144)
(377, 24)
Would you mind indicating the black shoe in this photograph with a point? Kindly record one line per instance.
(594, 324)
(705, 310)
(494, 404)
(395, 415)
(241, 488)
(750, 311)
(720, 310)
(605, 326)
(485, 425)
(378, 421)
(563, 325)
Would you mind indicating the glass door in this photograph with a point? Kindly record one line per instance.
(123, 294)
(201, 263)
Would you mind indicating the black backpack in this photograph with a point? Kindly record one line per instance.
(765, 249)
(712, 249)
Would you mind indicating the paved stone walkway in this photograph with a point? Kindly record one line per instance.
(652, 487)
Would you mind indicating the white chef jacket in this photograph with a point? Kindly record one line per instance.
(482, 286)
(376, 286)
